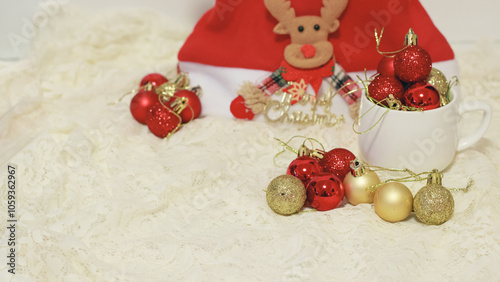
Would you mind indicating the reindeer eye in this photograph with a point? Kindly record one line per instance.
(301, 28)
(316, 27)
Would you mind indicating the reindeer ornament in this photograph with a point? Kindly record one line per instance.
(309, 47)
(308, 59)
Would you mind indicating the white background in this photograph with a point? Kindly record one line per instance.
(462, 22)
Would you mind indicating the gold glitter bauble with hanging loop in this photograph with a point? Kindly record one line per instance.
(434, 204)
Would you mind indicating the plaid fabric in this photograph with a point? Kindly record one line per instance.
(344, 85)
(273, 83)
(340, 81)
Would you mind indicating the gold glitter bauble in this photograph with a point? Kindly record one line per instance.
(393, 201)
(438, 80)
(434, 204)
(286, 195)
(358, 182)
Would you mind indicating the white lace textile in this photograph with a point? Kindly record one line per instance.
(102, 199)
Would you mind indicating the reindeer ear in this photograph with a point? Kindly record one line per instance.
(280, 28)
(334, 26)
(331, 11)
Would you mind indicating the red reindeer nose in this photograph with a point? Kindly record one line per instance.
(308, 50)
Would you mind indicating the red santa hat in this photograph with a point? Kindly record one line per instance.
(239, 34)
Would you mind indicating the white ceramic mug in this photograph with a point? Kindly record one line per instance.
(420, 141)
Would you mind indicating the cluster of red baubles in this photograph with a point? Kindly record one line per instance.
(405, 76)
(323, 177)
(167, 116)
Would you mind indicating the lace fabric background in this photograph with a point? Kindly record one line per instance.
(102, 199)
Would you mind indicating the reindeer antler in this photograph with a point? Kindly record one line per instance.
(332, 9)
(280, 9)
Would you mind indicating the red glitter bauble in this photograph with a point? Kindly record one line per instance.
(155, 79)
(386, 66)
(186, 104)
(383, 86)
(162, 121)
(337, 162)
(304, 168)
(141, 103)
(413, 64)
(423, 96)
(325, 192)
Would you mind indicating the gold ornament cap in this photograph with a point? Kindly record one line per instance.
(168, 89)
(315, 153)
(304, 151)
(435, 177)
(182, 80)
(411, 38)
(393, 103)
(358, 169)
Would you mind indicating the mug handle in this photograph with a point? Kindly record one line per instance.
(468, 141)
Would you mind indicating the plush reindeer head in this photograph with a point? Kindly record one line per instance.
(310, 47)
